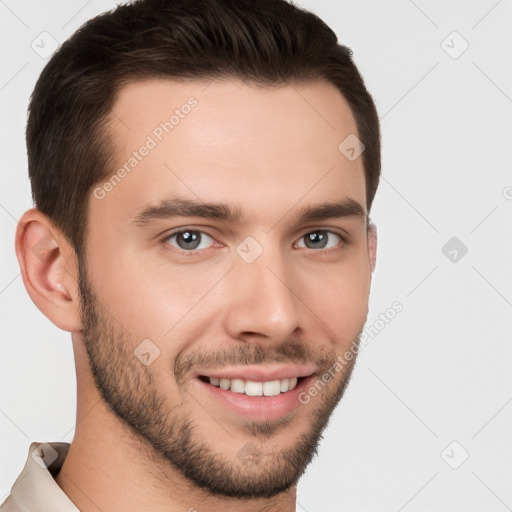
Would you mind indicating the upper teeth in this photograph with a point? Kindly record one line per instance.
(252, 388)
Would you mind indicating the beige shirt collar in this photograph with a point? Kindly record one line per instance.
(35, 488)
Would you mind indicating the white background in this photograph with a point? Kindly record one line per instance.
(440, 371)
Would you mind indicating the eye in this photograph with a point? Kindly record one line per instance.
(320, 239)
(189, 240)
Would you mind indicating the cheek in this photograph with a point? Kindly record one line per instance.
(339, 296)
(121, 286)
(148, 294)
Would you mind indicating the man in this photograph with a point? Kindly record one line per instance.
(203, 172)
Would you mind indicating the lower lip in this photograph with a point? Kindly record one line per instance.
(259, 408)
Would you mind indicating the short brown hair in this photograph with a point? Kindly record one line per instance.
(261, 41)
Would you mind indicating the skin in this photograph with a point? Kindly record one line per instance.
(147, 436)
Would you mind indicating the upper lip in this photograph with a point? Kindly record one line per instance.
(259, 373)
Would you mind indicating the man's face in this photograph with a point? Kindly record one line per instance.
(184, 294)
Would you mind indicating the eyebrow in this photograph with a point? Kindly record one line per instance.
(178, 207)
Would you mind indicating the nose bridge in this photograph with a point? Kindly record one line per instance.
(262, 300)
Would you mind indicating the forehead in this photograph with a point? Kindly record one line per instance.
(231, 142)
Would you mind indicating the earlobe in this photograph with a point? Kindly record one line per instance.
(372, 245)
(48, 268)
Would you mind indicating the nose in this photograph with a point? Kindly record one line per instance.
(262, 302)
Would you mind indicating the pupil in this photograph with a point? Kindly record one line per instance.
(189, 239)
(316, 239)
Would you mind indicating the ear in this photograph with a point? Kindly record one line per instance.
(372, 245)
(49, 269)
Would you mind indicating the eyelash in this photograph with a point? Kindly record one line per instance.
(196, 252)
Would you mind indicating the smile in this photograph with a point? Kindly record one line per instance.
(252, 388)
(255, 400)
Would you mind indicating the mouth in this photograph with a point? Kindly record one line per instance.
(253, 388)
(256, 400)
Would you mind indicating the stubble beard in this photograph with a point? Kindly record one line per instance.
(172, 435)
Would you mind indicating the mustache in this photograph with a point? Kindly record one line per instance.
(294, 352)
